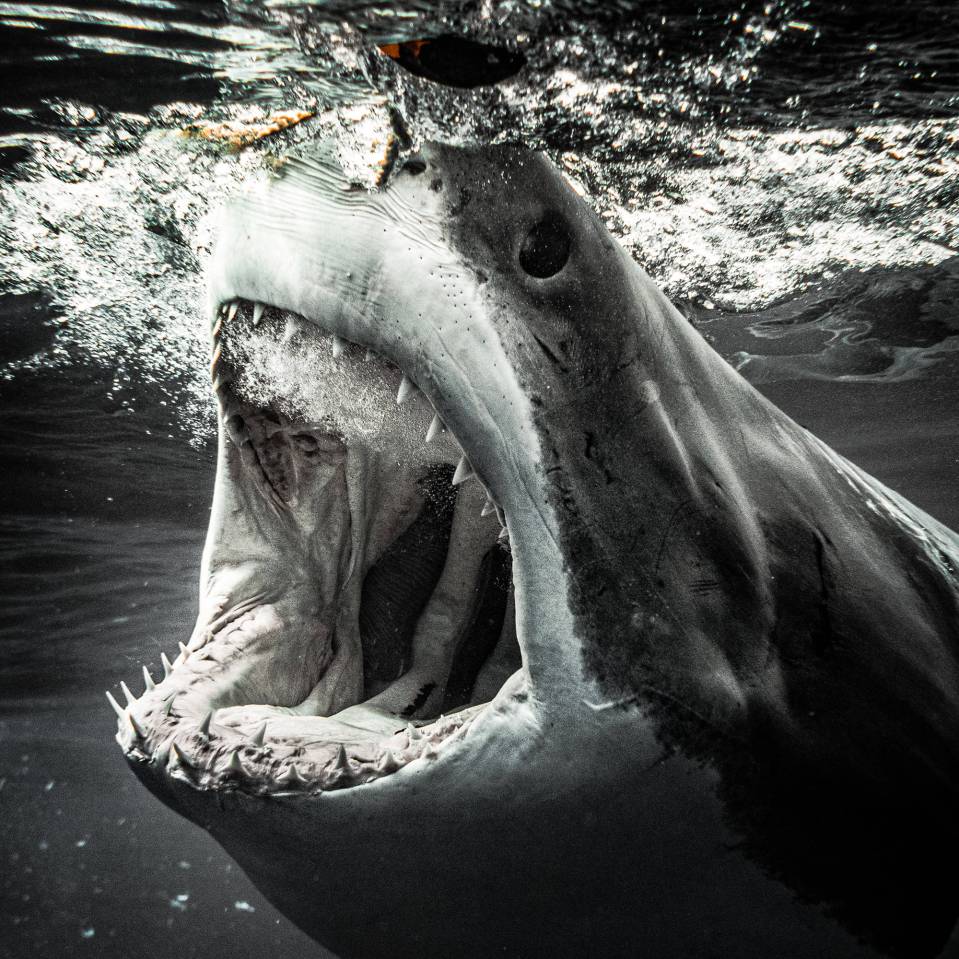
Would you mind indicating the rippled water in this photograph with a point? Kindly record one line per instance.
(787, 171)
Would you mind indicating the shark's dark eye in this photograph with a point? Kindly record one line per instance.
(546, 248)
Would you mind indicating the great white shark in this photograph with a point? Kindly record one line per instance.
(528, 628)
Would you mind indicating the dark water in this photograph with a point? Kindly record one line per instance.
(789, 172)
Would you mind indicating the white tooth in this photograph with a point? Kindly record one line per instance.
(135, 726)
(259, 736)
(413, 733)
(339, 347)
(131, 699)
(386, 763)
(406, 390)
(168, 705)
(161, 754)
(463, 471)
(223, 308)
(436, 427)
(181, 756)
(370, 355)
(503, 535)
(488, 507)
(204, 727)
(167, 665)
(290, 776)
(258, 309)
(235, 765)
(148, 680)
(184, 652)
(116, 706)
(342, 762)
(231, 312)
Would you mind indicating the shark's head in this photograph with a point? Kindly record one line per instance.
(497, 602)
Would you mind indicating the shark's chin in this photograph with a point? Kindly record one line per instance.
(358, 612)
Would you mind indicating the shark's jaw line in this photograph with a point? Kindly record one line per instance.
(203, 725)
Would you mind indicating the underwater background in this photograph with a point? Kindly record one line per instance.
(787, 171)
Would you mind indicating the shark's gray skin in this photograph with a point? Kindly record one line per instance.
(730, 724)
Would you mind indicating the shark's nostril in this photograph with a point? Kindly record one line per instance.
(415, 166)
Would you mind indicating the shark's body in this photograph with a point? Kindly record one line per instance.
(720, 662)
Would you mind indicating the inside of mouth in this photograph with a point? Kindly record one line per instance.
(359, 604)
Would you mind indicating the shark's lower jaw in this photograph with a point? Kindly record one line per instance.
(356, 606)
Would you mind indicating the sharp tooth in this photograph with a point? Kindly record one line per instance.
(290, 776)
(235, 765)
(184, 652)
(436, 427)
(339, 347)
(386, 763)
(130, 698)
(463, 471)
(341, 762)
(223, 308)
(257, 313)
(167, 665)
(161, 754)
(116, 706)
(204, 727)
(148, 680)
(406, 390)
(503, 535)
(231, 312)
(488, 507)
(168, 705)
(135, 726)
(370, 355)
(413, 733)
(259, 736)
(181, 756)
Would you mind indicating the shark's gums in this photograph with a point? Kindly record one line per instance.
(527, 627)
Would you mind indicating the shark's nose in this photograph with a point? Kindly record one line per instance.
(415, 165)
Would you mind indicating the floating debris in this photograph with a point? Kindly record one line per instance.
(239, 135)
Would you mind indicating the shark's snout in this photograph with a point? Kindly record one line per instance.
(376, 462)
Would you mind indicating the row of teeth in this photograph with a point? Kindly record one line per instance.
(256, 764)
(407, 390)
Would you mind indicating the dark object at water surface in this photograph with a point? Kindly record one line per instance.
(456, 61)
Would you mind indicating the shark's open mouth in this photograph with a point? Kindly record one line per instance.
(357, 610)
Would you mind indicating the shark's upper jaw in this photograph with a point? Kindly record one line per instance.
(356, 609)
(361, 599)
